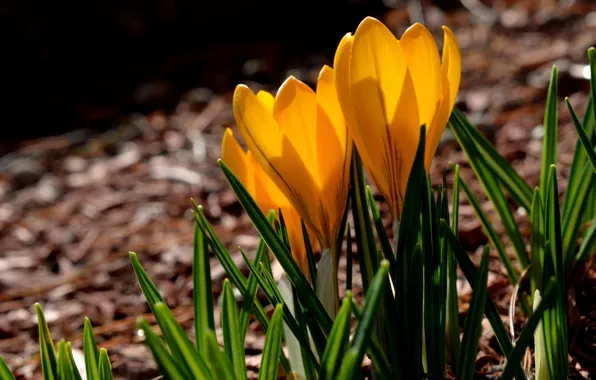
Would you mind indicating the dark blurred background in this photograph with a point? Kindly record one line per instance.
(72, 65)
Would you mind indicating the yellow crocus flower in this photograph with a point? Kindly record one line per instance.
(301, 141)
(387, 89)
(266, 194)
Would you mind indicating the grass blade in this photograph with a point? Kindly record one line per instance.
(365, 239)
(586, 250)
(473, 323)
(202, 294)
(551, 128)
(65, 366)
(493, 191)
(168, 366)
(338, 340)
(91, 352)
(349, 259)
(272, 348)
(583, 136)
(452, 313)
(307, 296)
(49, 362)
(380, 228)
(178, 342)
(105, 367)
(491, 311)
(73, 364)
(275, 298)
(220, 364)
(310, 257)
(537, 240)
(150, 291)
(230, 267)
(528, 332)
(351, 361)
(556, 320)
(477, 147)
(233, 342)
(5, 372)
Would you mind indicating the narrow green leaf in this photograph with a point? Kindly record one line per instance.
(353, 358)
(178, 342)
(365, 239)
(349, 259)
(493, 191)
(559, 314)
(576, 208)
(433, 285)
(220, 364)
(551, 128)
(525, 338)
(105, 367)
(49, 363)
(5, 372)
(583, 136)
(230, 267)
(537, 240)
(73, 364)
(233, 342)
(310, 257)
(492, 235)
(491, 311)
(586, 250)
(338, 340)
(249, 299)
(307, 296)
(409, 272)
(473, 323)
(168, 366)
(202, 294)
(579, 163)
(65, 367)
(374, 350)
(477, 147)
(380, 228)
(452, 317)
(275, 298)
(91, 352)
(341, 232)
(150, 291)
(272, 348)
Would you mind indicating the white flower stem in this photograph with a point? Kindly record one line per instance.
(327, 284)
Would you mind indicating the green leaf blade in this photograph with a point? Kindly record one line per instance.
(233, 342)
(272, 348)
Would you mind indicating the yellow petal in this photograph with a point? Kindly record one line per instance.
(296, 238)
(451, 64)
(266, 190)
(406, 135)
(274, 152)
(386, 109)
(425, 67)
(341, 69)
(333, 152)
(295, 111)
(233, 155)
(450, 79)
(267, 99)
